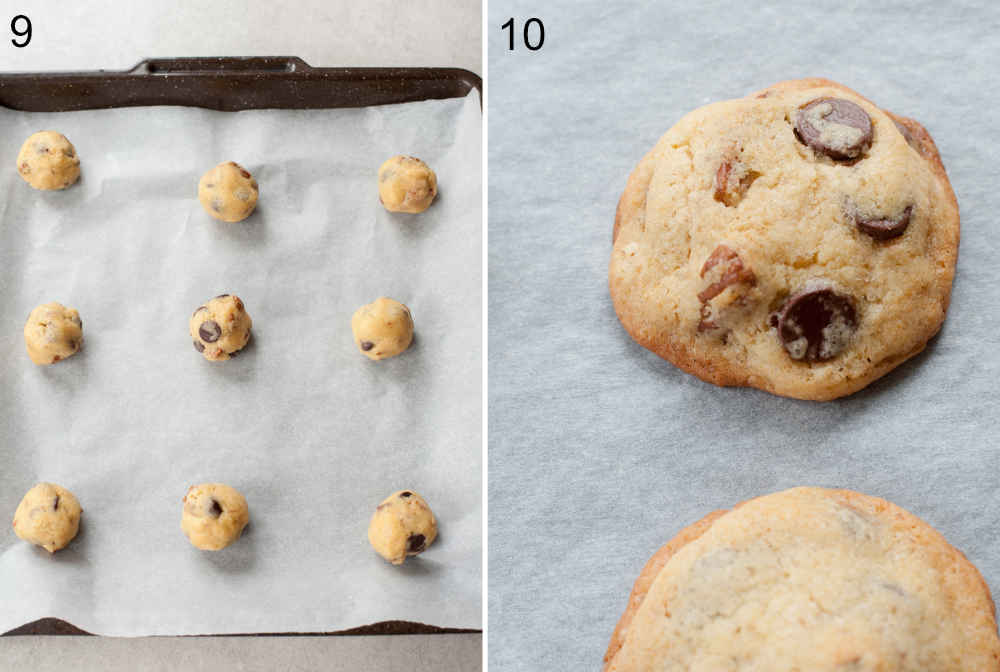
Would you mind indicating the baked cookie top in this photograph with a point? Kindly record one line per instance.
(808, 579)
(799, 240)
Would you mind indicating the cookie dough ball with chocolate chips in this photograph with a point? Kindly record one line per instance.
(383, 328)
(220, 328)
(228, 192)
(406, 184)
(214, 515)
(52, 333)
(48, 161)
(48, 516)
(403, 525)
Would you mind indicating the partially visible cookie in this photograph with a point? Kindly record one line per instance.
(808, 579)
(800, 240)
(48, 516)
(48, 161)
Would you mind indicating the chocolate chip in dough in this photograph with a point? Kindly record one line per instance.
(222, 296)
(210, 331)
(816, 323)
(199, 346)
(416, 543)
(367, 345)
(838, 128)
(885, 228)
(55, 503)
(406, 494)
(216, 509)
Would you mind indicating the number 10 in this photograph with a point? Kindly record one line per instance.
(526, 34)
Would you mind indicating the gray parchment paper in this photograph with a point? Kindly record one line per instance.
(311, 432)
(599, 450)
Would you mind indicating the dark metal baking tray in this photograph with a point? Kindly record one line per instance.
(230, 84)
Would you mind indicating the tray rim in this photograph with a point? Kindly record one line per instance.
(392, 84)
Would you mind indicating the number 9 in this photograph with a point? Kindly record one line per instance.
(26, 33)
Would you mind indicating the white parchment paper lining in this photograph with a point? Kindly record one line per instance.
(311, 432)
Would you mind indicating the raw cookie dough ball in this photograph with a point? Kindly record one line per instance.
(228, 192)
(48, 516)
(220, 328)
(214, 515)
(48, 161)
(406, 184)
(403, 525)
(52, 332)
(383, 328)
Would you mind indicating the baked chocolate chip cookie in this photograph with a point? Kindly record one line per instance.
(800, 240)
(808, 579)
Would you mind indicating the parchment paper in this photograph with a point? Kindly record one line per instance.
(599, 450)
(311, 432)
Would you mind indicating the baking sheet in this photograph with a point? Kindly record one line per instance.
(311, 432)
(599, 450)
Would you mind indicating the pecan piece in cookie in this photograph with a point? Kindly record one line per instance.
(816, 323)
(732, 179)
(838, 128)
(723, 269)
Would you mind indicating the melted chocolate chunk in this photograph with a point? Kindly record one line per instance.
(416, 543)
(838, 128)
(816, 323)
(210, 331)
(199, 346)
(886, 228)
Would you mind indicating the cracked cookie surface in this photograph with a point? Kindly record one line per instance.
(808, 579)
(800, 240)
